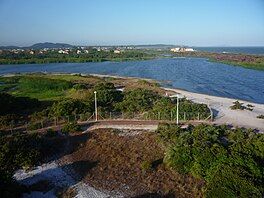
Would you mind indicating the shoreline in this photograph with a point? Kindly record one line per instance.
(220, 105)
(222, 112)
(125, 77)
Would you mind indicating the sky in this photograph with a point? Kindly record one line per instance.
(121, 22)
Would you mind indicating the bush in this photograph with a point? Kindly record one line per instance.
(107, 95)
(20, 151)
(237, 105)
(260, 116)
(146, 166)
(79, 86)
(34, 126)
(71, 128)
(8, 120)
(230, 161)
(166, 108)
(138, 100)
(69, 107)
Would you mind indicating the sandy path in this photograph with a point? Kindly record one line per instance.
(53, 173)
(223, 114)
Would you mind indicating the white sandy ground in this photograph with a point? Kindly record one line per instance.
(59, 178)
(148, 127)
(223, 113)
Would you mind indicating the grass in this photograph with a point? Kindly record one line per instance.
(41, 88)
(256, 66)
(53, 87)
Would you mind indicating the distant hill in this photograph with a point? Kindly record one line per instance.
(50, 45)
(40, 46)
(65, 45)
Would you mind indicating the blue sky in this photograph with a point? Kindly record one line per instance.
(111, 22)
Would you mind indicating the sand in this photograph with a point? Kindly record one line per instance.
(222, 112)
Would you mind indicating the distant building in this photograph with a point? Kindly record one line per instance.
(189, 50)
(177, 49)
(182, 49)
(31, 52)
(117, 51)
(63, 52)
(79, 51)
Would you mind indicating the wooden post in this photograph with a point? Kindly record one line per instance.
(159, 116)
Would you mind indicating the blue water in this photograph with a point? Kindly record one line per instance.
(192, 74)
(236, 50)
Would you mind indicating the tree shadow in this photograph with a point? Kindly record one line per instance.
(57, 147)
(156, 163)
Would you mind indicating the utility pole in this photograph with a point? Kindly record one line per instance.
(177, 121)
(95, 106)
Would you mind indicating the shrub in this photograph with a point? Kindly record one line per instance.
(8, 120)
(107, 95)
(69, 107)
(79, 86)
(34, 126)
(260, 116)
(237, 105)
(146, 166)
(19, 151)
(71, 128)
(138, 100)
(231, 161)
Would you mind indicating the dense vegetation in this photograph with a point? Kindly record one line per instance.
(229, 160)
(244, 60)
(40, 99)
(7, 57)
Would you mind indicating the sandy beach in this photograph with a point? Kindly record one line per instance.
(222, 112)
